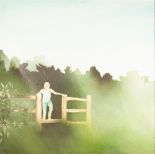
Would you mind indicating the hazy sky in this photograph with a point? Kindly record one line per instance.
(114, 35)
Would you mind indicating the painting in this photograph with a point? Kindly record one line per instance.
(77, 77)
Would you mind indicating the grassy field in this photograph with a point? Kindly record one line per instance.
(62, 138)
(122, 122)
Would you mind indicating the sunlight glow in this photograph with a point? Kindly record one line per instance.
(115, 36)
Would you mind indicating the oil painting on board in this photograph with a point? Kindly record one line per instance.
(77, 76)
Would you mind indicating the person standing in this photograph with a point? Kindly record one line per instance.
(46, 99)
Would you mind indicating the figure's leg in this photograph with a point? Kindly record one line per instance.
(44, 110)
(50, 105)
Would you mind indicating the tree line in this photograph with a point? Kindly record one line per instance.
(73, 83)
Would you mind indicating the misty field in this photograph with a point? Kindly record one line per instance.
(120, 124)
(122, 111)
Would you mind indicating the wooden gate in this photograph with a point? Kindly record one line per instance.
(65, 111)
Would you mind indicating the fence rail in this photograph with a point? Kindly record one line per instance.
(75, 99)
(65, 99)
(87, 110)
(27, 110)
(30, 97)
(76, 110)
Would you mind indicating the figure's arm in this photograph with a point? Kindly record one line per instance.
(39, 93)
(54, 92)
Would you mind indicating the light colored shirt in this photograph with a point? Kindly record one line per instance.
(46, 94)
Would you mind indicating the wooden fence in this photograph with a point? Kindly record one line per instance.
(65, 111)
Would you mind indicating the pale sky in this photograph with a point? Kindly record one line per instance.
(114, 35)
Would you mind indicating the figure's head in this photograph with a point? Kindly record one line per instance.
(46, 85)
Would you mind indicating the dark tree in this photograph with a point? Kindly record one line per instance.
(107, 77)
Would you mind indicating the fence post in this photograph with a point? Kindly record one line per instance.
(38, 111)
(88, 104)
(64, 107)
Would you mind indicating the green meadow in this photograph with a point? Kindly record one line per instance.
(122, 112)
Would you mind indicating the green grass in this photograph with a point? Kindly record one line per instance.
(61, 138)
(121, 123)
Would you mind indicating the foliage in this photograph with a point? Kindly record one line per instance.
(6, 94)
(122, 111)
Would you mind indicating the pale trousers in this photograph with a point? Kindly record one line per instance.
(44, 106)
